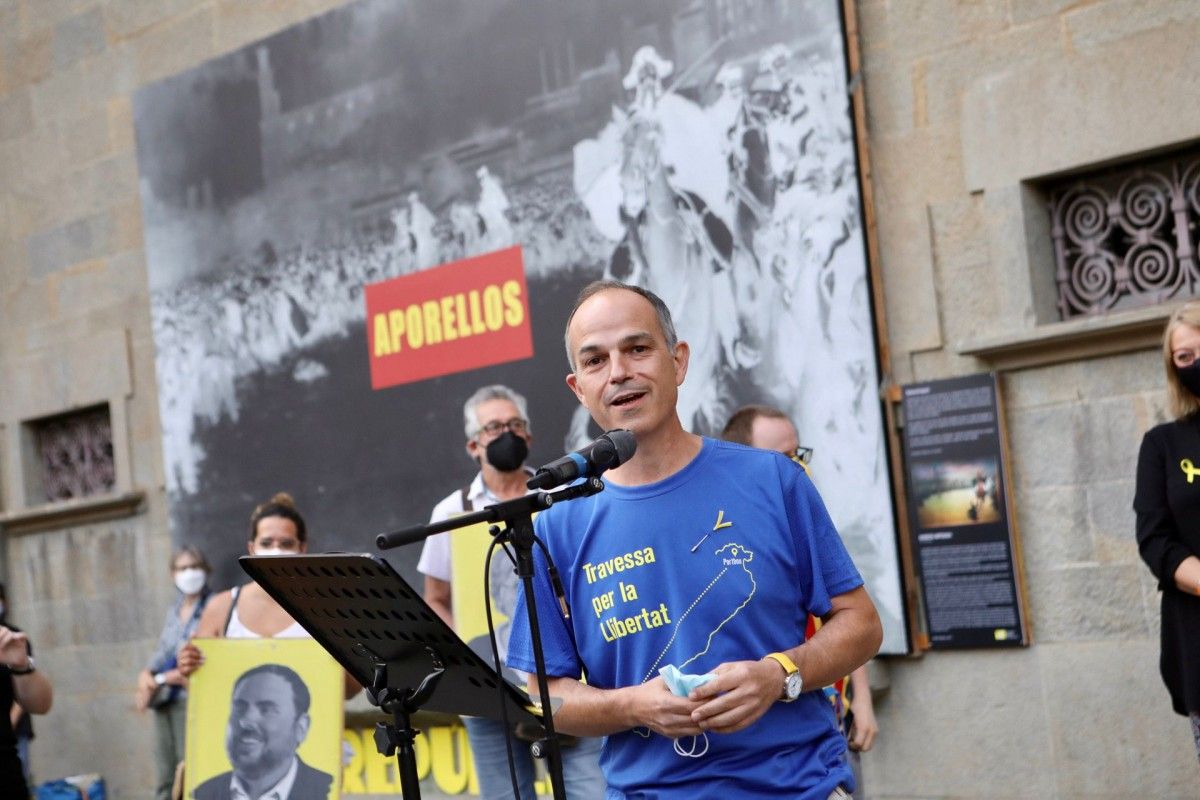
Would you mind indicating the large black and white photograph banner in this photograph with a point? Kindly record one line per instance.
(486, 160)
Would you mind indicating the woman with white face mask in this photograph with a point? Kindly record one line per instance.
(247, 611)
(161, 686)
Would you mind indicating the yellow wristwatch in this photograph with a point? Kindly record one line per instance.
(793, 685)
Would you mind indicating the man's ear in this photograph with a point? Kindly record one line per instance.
(682, 354)
(574, 384)
(302, 724)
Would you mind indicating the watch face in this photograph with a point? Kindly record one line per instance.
(792, 685)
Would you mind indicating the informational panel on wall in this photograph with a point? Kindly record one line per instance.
(961, 518)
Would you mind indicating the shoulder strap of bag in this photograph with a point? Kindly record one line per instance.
(232, 605)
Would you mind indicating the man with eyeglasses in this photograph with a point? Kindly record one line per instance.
(496, 423)
(769, 428)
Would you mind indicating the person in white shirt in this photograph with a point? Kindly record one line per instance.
(496, 424)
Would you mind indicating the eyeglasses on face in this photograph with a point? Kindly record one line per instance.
(801, 455)
(496, 427)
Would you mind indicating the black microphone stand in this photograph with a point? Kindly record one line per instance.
(517, 518)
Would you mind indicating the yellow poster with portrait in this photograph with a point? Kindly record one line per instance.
(468, 555)
(264, 716)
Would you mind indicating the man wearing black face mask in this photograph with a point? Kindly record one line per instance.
(496, 424)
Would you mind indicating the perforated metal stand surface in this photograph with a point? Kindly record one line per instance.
(364, 614)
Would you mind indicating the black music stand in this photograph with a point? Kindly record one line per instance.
(381, 631)
(516, 516)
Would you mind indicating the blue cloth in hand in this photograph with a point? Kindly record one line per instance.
(680, 683)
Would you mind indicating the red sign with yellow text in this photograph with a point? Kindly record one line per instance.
(459, 316)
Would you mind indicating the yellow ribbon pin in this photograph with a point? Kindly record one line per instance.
(721, 523)
(1188, 469)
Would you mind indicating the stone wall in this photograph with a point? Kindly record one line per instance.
(969, 106)
(968, 103)
(75, 328)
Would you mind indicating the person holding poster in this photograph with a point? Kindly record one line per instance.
(769, 428)
(496, 423)
(1167, 503)
(247, 611)
(689, 581)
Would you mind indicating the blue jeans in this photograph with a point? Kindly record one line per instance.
(581, 764)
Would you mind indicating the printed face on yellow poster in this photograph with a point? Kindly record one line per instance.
(264, 716)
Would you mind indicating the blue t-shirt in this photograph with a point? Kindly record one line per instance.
(722, 561)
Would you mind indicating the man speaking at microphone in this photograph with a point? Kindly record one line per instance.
(496, 423)
(689, 580)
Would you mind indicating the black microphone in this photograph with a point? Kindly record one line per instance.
(611, 450)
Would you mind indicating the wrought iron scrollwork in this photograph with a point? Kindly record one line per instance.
(1126, 239)
(77, 455)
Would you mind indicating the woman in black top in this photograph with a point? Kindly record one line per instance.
(1167, 503)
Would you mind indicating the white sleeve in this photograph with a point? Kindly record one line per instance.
(435, 557)
(435, 554)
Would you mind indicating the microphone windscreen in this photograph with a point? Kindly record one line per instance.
(625, 444)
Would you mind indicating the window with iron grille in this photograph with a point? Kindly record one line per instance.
(1126, 237)
(75, 452)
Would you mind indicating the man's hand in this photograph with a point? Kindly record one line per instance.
(14, 649)
(741, 693)
(653, 705)
(188, 659)
(588, 711)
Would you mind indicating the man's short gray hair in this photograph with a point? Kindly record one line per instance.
(596, 287)
(497, 391)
